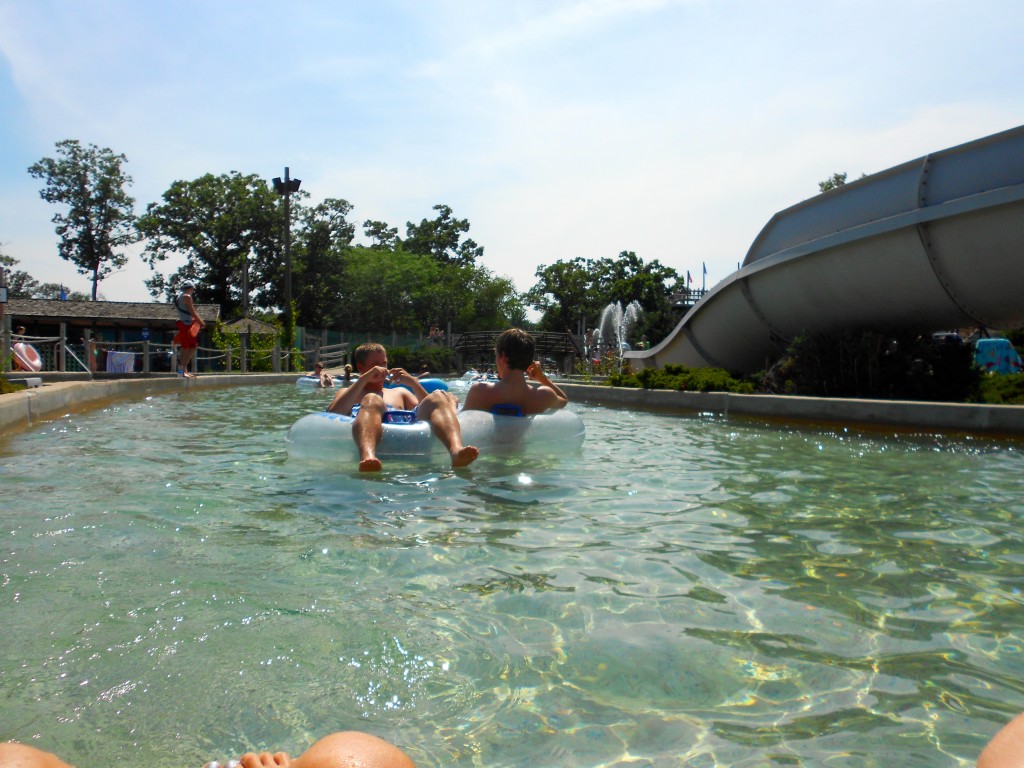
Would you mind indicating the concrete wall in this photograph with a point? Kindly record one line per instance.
(996, 420)
(21, 410)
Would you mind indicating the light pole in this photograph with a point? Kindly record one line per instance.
(286, 188)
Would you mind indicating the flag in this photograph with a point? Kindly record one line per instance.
(688, 278)
(703, 264)
(63, 294)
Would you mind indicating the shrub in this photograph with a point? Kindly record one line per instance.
(875, 364)
(679, 377)
(999, 389)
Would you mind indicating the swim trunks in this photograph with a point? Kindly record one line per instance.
(184, 337)
(392, 415)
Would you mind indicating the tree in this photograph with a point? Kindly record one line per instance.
(440, 238)
(20, 284)
(381, 234)
(834, 181)
(568, 293)
(217, 223)
(100, 217)
(319, 262)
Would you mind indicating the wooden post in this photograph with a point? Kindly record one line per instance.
(62, 351)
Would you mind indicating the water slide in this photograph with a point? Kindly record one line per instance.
(933, 244)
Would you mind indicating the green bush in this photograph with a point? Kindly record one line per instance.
(1005, 389)
(679, 377)
(875, 364)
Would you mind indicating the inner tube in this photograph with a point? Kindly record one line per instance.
(554, 433)
(328, 436)
(314, 381)
(27, 358)
(428, 384)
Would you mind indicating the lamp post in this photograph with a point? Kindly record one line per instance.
(286, 188)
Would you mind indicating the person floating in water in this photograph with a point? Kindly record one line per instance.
(318, 372)
(347, 749)
(513, 357)
(437, 408)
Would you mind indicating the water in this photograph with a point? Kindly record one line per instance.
(688, 591)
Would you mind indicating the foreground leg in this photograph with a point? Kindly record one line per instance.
(352, 749)
(367, 430)
(1006, 750)
(23, 756)
(438, 409)
(187, 353)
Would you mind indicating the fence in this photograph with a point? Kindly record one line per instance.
(57, 354)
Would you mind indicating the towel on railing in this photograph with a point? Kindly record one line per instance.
(120, 362)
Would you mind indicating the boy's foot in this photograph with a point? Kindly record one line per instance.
(464, 456)
(370, 465)
(189, 375)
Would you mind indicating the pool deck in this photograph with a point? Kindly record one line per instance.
(60, 395)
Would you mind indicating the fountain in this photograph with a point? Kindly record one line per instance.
(615, 326)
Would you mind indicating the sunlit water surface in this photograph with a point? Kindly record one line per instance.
(687, 591)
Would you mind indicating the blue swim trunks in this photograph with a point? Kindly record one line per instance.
(392, 415)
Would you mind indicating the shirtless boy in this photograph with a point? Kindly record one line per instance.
(438, 408)
(513, 357)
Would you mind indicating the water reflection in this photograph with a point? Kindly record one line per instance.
(686, 589)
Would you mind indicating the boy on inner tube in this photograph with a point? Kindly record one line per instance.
(513, 357)
(438, 408)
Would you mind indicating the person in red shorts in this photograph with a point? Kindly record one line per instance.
(186, 316)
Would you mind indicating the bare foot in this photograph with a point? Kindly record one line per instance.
(370, 465)
(265, 760)
(464, 456)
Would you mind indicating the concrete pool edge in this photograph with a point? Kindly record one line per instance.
(20, 410)
(1005, 420)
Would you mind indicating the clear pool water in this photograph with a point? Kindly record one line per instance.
(687, 591)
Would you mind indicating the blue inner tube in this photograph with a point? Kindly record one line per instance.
(428, 384)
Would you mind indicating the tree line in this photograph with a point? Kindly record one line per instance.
(227, 231)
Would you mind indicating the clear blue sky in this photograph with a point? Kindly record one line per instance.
(558, 128)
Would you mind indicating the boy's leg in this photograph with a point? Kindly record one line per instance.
(438, 409)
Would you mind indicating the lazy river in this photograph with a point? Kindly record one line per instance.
(689, 591)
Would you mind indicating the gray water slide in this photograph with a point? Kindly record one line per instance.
(933, 244)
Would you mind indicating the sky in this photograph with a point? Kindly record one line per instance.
(557, 128)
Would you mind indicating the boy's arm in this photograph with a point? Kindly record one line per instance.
(476, 399)
(193, 312)
(349, 396)
(558, 397)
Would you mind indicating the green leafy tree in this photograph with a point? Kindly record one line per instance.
(572, 292)
(440, 238)
(381, 235)
(20, 284)
(319, 260)
(216, 223)
(566, 293)
(834, 181)
(100, 217)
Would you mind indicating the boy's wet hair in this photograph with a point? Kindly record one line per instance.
(363, 351)
(517, 346)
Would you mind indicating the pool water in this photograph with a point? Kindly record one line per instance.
(686, 591)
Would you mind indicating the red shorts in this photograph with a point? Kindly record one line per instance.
(184, 338)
